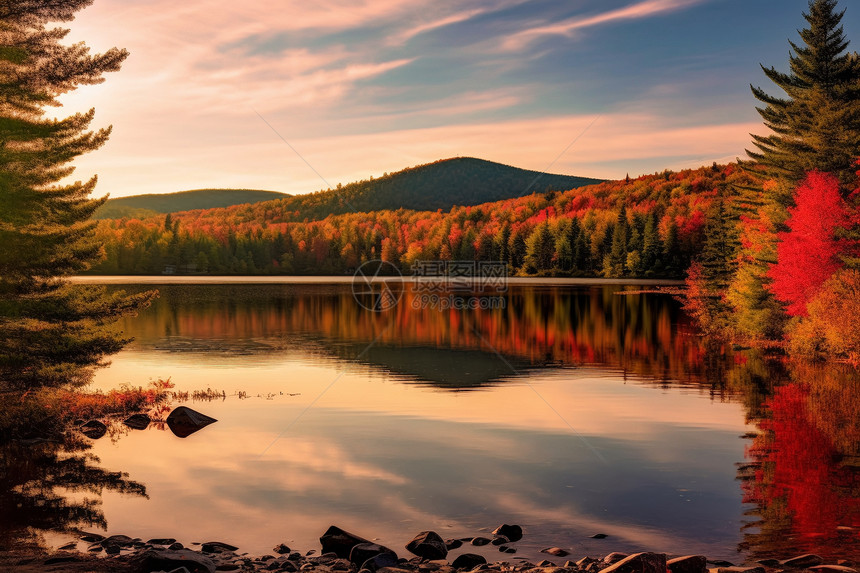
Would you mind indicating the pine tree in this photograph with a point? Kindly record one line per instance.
(817, 126)
(617, 261)
(49, 332)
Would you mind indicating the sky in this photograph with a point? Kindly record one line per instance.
(297, 96)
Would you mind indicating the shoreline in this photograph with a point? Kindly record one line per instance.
(344, 552)
(345, 280)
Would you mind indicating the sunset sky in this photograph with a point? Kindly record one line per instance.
(216, 92)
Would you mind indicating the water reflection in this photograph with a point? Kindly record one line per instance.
(803, 473)
(54, 486)
(588, 411)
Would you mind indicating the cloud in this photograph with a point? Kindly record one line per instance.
(644, 9)
(456, 18)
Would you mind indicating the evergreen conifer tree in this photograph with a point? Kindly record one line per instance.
(49, 332)
(817, 124)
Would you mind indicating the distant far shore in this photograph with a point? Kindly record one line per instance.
(340, 279)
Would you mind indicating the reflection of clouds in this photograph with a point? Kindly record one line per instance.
(391, 476)
(324, 456)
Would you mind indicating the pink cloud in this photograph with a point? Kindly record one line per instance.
(644, 9)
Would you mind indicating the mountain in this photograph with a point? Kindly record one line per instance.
(141, 206)
(440, 185)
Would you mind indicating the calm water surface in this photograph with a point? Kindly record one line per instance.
(572, 411)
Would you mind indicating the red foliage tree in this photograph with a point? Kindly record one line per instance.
(807, 254)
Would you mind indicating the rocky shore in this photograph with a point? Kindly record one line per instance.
(344, 552)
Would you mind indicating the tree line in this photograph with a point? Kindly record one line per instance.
(652, 226)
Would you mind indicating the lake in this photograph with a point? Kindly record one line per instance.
(570, 410)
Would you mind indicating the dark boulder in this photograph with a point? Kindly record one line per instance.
(428, 545)
(511, 532)
(599, 536)
(93, 429)
(118, 540)
(364, 551)
(640, 563)
(153, 560)
(340, 542)
(217, 547)
(91, 537)
(184, 421)
(380, 561)
(803, 561)
(615, 557)
(500, 540)
(137, 421)
(162, 541)
(480, 541)
(688, 564)
(281, 549)
(453, 544)
(557, 551)
(468, 561)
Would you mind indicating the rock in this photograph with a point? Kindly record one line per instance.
(216, 547)
(227, 567)
(640, 563)
(688, 564)
(557, 551)
(380, 561)
(511, 532)
(162, 541)
(169, 560)
(499, 540)
(615, 557)
(428, 545)
(803, 561)
(453, 544)
(288, 566)
(833, 569)
(62, 559)
(585, 562)
(184, 421)
(768, 562)
(506, 549)
(721, 563)
(364, 551)
(740, 569)
(599, 536)
(468, 561)
(113, 544)
(137, 421)
(281, 549)
(176, 546)
(91, 537)
(71, 545)
(480, 541)
(546, 563)
(340, 542)
(93, 429)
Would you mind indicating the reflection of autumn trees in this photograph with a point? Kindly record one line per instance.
(804, 470)
(53, 486)
(636, 333)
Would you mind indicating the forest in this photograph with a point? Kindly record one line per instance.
(652, 226)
